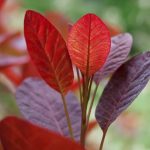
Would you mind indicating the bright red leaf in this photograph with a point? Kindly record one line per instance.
(17, 134)
(89, 44)
(48, 51)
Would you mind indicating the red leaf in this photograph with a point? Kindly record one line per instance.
(91, 126)
(60, 22)
(8, 44)
(75, 85)
(17, 134)
(29, 70)
(1, 3)
(89, 44)
(48, 51)
(11, 75)
(114, 30)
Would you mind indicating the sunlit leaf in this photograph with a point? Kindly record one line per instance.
(48, 51)
(17, 134)
(120, 48)
(42, 105)
(89, 44)
(124, 86)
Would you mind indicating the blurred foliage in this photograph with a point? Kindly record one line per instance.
(129, 15)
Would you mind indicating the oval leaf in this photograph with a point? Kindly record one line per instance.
(48, 51)
(89, 44)
(120, 48)
(43, 106)
(124, 86)
(18, 134)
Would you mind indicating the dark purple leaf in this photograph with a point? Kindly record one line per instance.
(124, 86)
(120, 48)
(43, 106)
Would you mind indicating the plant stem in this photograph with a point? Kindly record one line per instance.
(91, 104)
(103, 139)
(79, 82)
(67, 116)
(90, 86)
(84, 108)
(83, 127)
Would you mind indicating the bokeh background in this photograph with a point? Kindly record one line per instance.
(131, 131)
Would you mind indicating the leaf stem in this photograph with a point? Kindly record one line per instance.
(103, 139)
(90, 86)
(91, 104)
(80, 89)
(67, 116)
(84, 109)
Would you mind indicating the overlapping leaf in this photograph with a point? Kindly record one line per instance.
(48, 51)
(124, 86)
(120, 48)
(60, 22)
(17, 134)
(43, 106)
(89, 44)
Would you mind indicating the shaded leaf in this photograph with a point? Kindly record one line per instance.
(89, 44)
(1, 148)
(124, 86)
(48, 51)
(120, 48)
(60, 22)
(17, 134)
(42, 105)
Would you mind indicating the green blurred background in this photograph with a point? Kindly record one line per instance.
(132, 130)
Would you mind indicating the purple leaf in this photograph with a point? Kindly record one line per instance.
(120, 48)
(125, 85)
(8, 61)
(43, 106)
